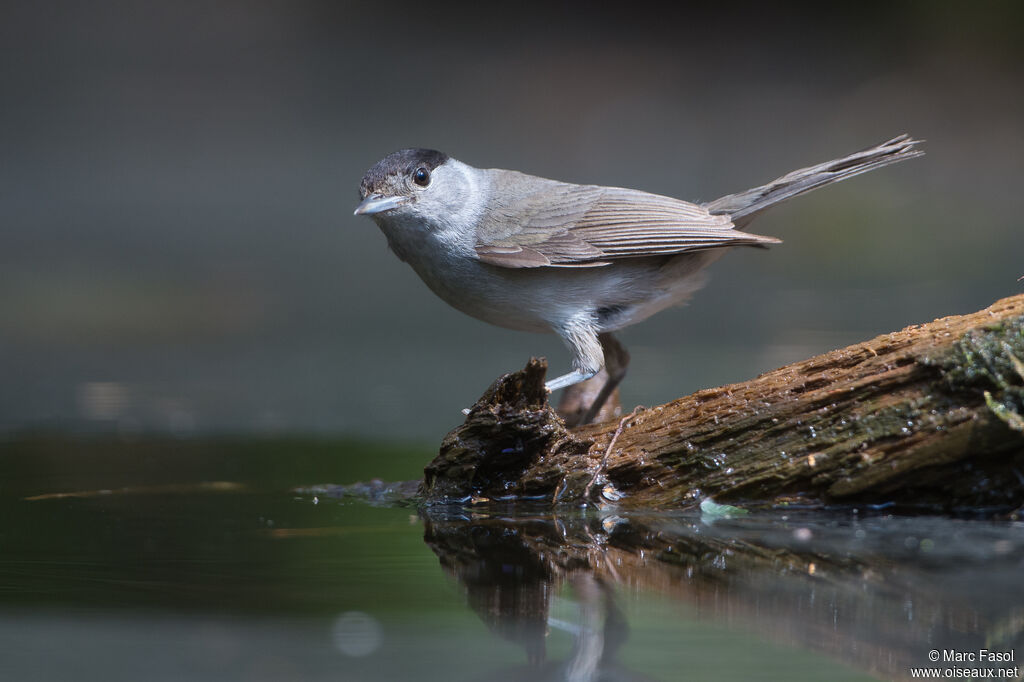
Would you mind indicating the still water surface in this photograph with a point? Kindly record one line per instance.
(224, 560)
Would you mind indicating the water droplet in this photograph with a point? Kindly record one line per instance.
(609, 493)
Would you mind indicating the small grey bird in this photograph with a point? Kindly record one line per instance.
(581, 261)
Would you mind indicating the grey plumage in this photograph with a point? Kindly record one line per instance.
(744, 206)
(581, 261)
(543, 222)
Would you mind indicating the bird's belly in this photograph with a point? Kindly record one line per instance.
(499, 298)
(546, 299)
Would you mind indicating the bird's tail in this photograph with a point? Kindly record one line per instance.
(744, 206)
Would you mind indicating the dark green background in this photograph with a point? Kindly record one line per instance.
(178, 253)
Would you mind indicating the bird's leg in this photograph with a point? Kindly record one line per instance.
(588, 357)
(576, 400)
(567, 380)
(592, 352)
(616, 361)
(597, 399)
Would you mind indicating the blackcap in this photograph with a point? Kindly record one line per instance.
(581, 261)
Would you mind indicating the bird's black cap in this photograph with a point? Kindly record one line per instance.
(402, 162)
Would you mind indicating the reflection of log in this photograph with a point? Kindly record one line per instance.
(857, 591)
(923, 417)
(509, 584)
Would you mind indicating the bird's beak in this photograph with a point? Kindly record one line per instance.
(377, 203)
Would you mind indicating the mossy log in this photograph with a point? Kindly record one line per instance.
(927, 418)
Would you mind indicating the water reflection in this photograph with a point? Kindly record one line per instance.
(878, 593)
(199, 560)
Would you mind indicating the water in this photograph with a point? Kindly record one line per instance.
(217, 560)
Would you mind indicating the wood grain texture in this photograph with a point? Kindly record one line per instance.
(901, 419)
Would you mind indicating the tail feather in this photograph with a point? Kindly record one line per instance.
(744, 206)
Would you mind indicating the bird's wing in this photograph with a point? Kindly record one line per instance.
(535, 222)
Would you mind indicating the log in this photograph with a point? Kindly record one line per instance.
(926, 418)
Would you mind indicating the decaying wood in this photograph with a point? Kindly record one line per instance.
(927, 417)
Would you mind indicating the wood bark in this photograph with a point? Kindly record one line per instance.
(927, 418)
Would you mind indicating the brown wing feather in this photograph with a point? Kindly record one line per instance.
(551, 223)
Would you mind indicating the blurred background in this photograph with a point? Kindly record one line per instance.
(178, 252)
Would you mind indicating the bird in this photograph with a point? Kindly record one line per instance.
(580, 261)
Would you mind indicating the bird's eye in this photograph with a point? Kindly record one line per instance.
(421, 176)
